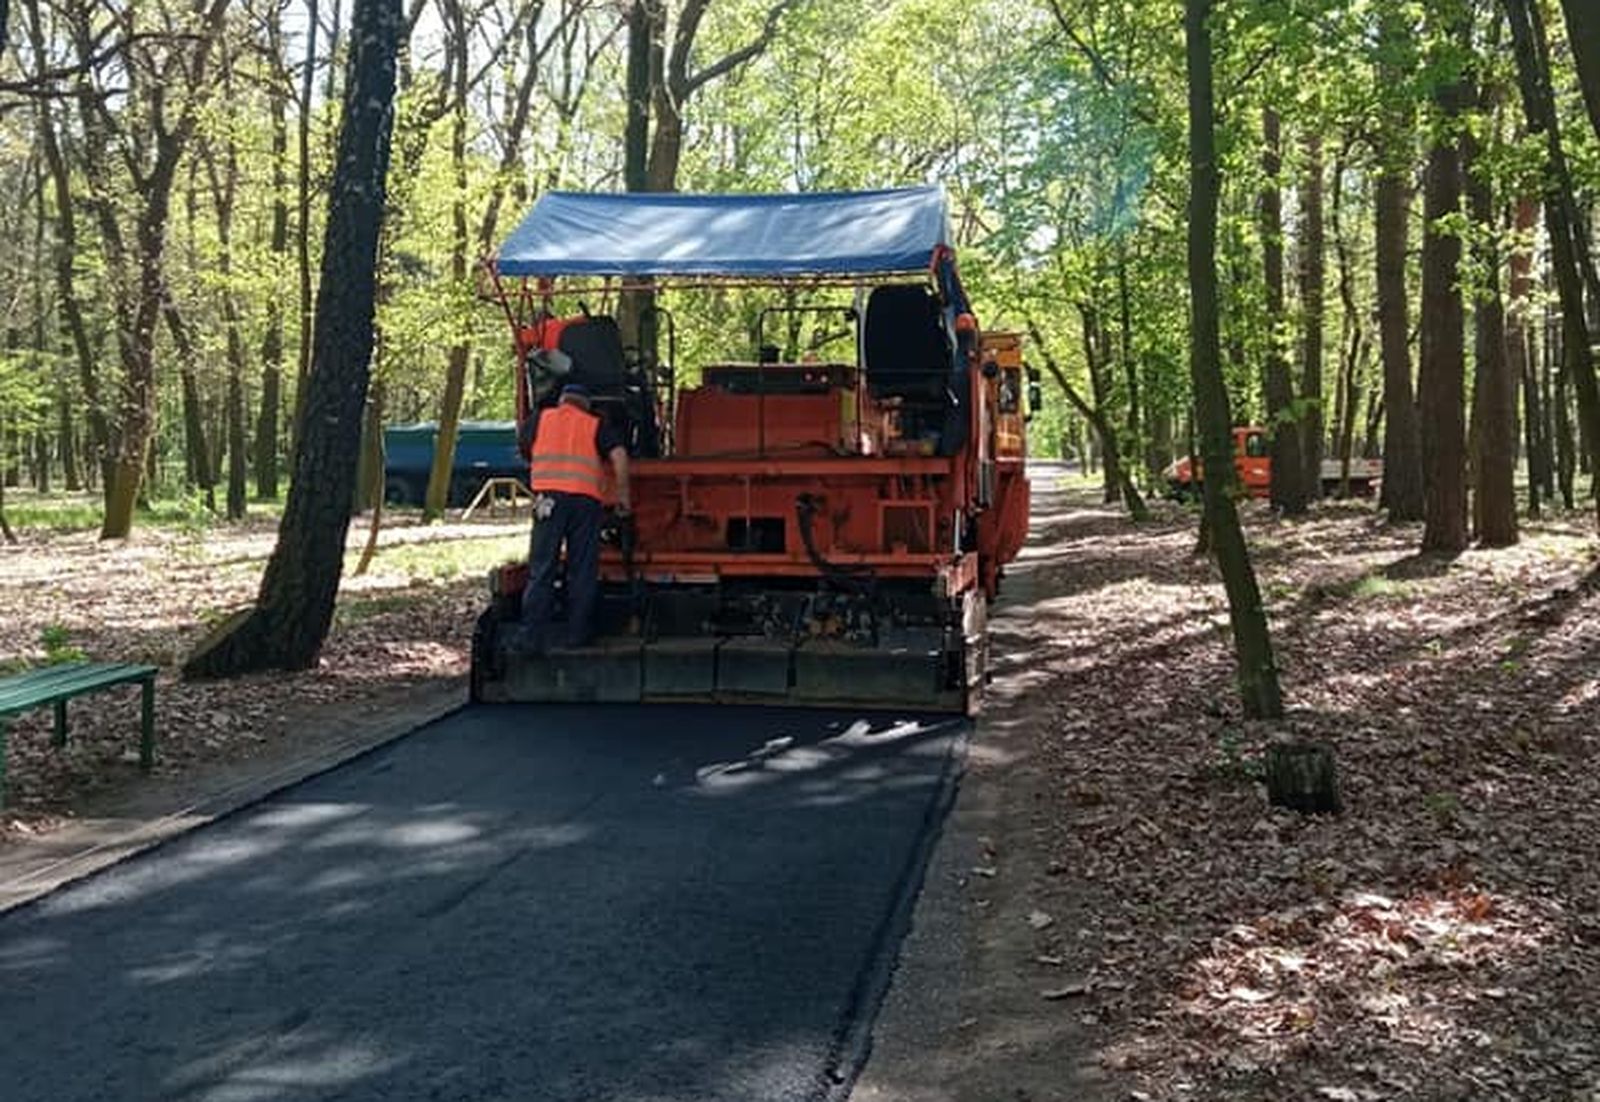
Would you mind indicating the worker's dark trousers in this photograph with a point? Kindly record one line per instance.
(574, 519)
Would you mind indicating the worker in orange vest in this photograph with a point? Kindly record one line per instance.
(567, 477)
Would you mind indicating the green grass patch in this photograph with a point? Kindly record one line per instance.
(84, 512)
(358, 609)
(1365, 587)
(443, 560)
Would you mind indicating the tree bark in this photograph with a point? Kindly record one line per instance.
(1569, 260)
(1288, 488)
(1130, 364)
(1258, 675)
(1313, 280)
(1494, 392)
(1353, 342)
(303, 225)
(1583, 35)
(1102, 428)
(265, 451)
(290, 621)
(1521, 358)
(1401, 492)
(65, 258)
(437, 497)
(1441, 383)
(197, 464)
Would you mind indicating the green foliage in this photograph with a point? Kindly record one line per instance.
(58, 646)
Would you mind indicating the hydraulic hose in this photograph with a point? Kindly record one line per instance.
(849, 578)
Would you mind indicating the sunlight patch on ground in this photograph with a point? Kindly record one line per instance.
(1403, 968)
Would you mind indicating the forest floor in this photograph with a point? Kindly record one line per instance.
(1141, 924)
(1145, 926)
(406, 624)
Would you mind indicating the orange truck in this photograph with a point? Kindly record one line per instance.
(1252, 459)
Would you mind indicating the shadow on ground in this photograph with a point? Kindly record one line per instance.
(516, 902)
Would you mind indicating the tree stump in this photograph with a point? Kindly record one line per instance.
(1303, 776)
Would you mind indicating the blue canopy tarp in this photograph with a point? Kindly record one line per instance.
(668, 234)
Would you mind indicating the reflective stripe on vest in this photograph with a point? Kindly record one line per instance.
(564, 457)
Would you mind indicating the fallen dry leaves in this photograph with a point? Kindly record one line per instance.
(150, 599)
(1441, 939)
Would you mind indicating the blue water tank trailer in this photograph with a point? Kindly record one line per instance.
(484, 450)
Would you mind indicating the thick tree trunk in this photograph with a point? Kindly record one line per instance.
(1288, 487)
(1258, 675)
(1401, 492)
(1494, 392)
(1313, 279)
(290, 621)
(1441, 382)
(1569, 260)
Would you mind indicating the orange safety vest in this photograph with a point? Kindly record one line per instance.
(565, 459)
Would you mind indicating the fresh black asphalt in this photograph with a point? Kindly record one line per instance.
(530, 903)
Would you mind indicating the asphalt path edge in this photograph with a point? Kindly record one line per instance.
(852, 1046)
(83, 850)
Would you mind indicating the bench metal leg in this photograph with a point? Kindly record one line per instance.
(61, 723)
(147, 725)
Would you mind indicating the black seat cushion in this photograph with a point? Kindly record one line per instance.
(907, 347)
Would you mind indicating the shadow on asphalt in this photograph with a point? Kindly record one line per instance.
(515, 902)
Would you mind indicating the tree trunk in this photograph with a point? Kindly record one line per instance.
(5, 525)
(1494, 392)
(1521, 361)
(265, 451)
(1441, 383)
(1258, 675)
(66, 445)
(1130, 364)
(197, 467)
(1094, 363)
(1303, 777)
(442, 471)
(1288, 487)
(373, 461)
(290, 621)
(1313, 278)
(1583, 35)
(1401, 492)
(303, 226)
(1569, 262)
(1102, 428)
(65, 260)
(224, 190)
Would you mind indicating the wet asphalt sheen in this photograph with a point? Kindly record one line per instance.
(523, 903)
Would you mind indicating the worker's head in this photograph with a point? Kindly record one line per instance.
(574, 395)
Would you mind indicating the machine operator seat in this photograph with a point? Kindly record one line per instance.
(599, 363)
(907, 354)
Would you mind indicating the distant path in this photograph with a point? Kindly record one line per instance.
(522, 903)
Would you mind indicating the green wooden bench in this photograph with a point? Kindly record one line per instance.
(56, 685)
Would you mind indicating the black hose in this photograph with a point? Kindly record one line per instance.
(850, 578)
